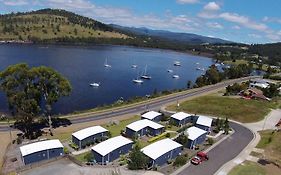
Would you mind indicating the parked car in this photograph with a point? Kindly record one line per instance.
(199, 158)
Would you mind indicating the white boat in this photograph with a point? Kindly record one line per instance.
(145, 75)
(176, 76)
(134, 66)
(95, 84)
(199, 68)
(197, 63)
(177, 63)
(139, 81)
(170, 71)
(106, 64)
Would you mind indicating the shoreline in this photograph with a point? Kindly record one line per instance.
(89, 45)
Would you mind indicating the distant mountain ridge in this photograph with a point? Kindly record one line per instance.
(186, 38)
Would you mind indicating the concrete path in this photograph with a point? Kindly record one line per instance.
(268, 123)
(81, 151)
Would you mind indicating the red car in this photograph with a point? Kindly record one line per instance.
(199, 158)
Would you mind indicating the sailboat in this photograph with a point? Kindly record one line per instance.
(95, 84)
(170, 70)
(106, 64)
(145, 75)
(138, 80)
(176, 76)
(134, 66)
(177, 63)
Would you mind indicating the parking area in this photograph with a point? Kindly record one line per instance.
(66, 167)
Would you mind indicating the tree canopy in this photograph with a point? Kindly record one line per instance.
(27, 89)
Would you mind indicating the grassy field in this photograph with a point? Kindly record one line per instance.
(271, 143)
(48, 27)
(234, 108)
(237, 62)
(116, 129)
(83, 157)
(248, 168)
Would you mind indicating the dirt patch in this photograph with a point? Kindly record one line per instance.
(5, 140)
(272, 169)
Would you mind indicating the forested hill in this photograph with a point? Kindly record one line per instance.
(273, 51)
(51, 24)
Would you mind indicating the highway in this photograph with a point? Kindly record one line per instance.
(152, 104)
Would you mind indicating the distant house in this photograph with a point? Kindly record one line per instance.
(88, 135)
(195, 136)
(39, 151)
(143, 127)
(253, 93)
(259, 84)
(111, 149)
(162, 151)
(204, 123)
(180, 118)
(152, 115)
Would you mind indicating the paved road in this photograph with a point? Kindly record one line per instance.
(152, 104)
(222, 153)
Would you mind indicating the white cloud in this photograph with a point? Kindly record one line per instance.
(210, 11)
(14, 2)
(236, 27)
(273, 37)
(212, 6)
(187, 1)
(252, 35)
(272, 20)
(244, 21)
(214, 25)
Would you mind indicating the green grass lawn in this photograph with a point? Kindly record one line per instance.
(271, 143)
(143, 143)
(248, 168)
(116, 129)
(83, 157)
(234, 108)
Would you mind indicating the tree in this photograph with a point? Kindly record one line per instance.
(137, 159)
(51, 85)
(226, 126)
(188, 84)
(28, 88)
(182, 139)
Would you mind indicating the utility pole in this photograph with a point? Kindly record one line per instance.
(10, 130)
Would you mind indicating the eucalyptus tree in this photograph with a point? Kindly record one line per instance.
(28, 88)
(51, 85)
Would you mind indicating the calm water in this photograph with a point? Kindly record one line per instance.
(86, 65)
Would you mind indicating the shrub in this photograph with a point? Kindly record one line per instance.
(210, 141)
(65, 150)
(180, 161)
(168, 135)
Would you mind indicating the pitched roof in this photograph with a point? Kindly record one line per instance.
(151, 115)
(140, 124)
(87, 132)
(159, 148)
(205, 121)
(110, 145)
(40, 146)
(180, 115)
(194, 132)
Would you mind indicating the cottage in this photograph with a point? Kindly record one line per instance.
(143, 127)
(111, 149)
(88, 135)
(39, 151)
(204, 123)
(180, 118)
(152, 115)
(195, 136)
(162, 151)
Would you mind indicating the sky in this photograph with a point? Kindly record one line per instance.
(246, 21)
